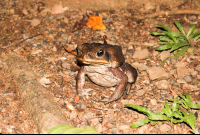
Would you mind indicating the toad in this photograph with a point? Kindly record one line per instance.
(105, 65)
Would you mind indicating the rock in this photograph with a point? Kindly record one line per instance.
(164, 55)
(124, 127)
(94, 122)
(73, 115)
(197, 68)
(173, 60)
(141, 92)
(153, 101)
(163, 84)
(182, 71)
(190, 87)
(139, 66)
(164, 128)
(141, 54)
(157, 73)
(172, 81)
(99, 127)
(65, 65)
(188, 78)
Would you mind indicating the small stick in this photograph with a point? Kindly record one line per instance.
(20, 41)
(169, 13)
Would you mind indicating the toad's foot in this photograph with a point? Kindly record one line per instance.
(84, 92)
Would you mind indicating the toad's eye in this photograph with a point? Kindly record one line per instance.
(78, 51)
(100, 53)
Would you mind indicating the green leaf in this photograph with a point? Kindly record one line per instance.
(178, 45)
(193, 105)
(188, 99)
(195, 34)
(140, 123)
(68, 129)
(179, 27)
(167, 110)
(59, 129)
(191, 30)
(164, 27)
(5, 36)
(157, 34)
(170, 35)
(196, 38)
(141, 109)
(184, 49)
(164, 38)
(165, 47)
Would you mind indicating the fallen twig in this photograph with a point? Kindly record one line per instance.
(169, 13)
(20, 41)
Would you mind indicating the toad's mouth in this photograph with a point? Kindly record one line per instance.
(92, 62)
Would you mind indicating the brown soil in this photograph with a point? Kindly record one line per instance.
(45, 54)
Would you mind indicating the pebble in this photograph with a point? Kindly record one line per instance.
(188, 78)
(172, 81)
(163, 95)
(64, 64)
(44, 43)
(113, 132)
(76, 32)
(173, 60)
(65, 36)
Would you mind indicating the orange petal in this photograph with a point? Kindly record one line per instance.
(95, 22)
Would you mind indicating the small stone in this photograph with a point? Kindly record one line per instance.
(153, 101)
(163, 84)
(65, 36)
(71, 73)
(76, 32)
(164, 55)
(197, 68)
(188, 78)
(44, 43)
(182, 71)
(139, 66)
(141, 54)
(173, 60)
(64, 64)
(163, 95)
(59, 63)
(99, 127)
(172, 81)
(141, 92)
(124, 127)
(113, 132)
(171, 97)
(157, 73)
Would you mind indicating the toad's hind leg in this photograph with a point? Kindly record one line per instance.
(131, 73)
(121, 86)
(128, 88)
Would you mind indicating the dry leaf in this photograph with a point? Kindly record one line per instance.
(35, 22)
(57, 9)
(95, 22)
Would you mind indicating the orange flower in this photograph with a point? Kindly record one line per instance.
(95, 22)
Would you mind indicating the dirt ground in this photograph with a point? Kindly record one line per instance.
(54, 66)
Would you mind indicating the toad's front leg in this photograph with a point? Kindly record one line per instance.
(121, 86)
(80, 82)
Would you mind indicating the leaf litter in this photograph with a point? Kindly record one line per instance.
(62, 26)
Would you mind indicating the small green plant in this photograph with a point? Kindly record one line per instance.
(177, 42)
(175, 114)
(5, 36)
(68, 129)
